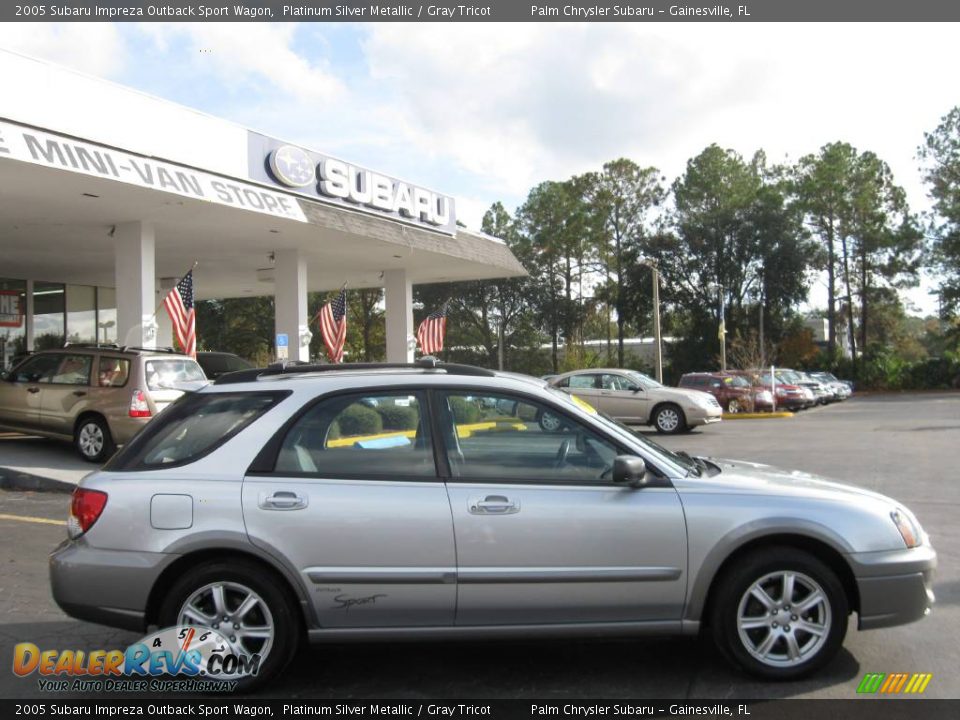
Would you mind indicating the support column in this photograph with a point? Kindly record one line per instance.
(399, 311)
(290, 302)
(28, 317)
(133, 259)
(164, 324)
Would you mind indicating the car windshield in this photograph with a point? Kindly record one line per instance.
(645, 381)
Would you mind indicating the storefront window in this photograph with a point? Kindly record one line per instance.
(48, 315)
(13, 327)
(81, 314)
(106, 315)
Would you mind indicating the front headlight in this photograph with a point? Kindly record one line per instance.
(909, 530)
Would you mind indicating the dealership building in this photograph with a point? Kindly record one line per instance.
(108, 196)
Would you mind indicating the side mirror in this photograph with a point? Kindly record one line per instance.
(629, 470)
(5, 375)
(636, 389)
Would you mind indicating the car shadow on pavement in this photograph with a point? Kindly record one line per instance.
(639, 668)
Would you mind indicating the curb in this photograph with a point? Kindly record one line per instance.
(16, 480)
(757, 416)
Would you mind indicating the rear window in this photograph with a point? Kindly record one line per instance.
(192, 427)
(165, 373)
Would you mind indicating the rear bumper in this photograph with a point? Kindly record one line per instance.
(124, 428)
(110, 587)
(895, 587)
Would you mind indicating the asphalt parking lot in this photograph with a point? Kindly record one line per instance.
(904, 446)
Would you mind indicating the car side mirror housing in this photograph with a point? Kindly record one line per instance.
(630, 470)
(5, 375)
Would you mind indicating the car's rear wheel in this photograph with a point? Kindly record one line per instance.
(780, 614)
(93, 440)
(733, 406)
(247, 605)
(669, 419)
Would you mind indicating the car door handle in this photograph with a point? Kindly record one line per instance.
(493, 505)
(606, 392)
(79, 393)
(33, 391)
(283, 500)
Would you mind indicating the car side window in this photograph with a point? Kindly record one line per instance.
(376, 435)
(73, 370)
(616, 382)
(113, 372)
(501, 437)
(583, 381)
(39, 369)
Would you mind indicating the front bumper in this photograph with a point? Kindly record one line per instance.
(895, 587)
(110, 587)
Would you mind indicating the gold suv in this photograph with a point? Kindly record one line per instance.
(98, 397)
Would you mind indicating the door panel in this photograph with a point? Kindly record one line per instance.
(569, 554)
(68, 388)
(20, 398)
(371, 553)
(358, 510)
(542, 536)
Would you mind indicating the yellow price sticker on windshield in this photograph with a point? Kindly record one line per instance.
(583, 405)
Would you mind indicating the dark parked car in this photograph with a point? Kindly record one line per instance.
(735, 393)
(215, 364)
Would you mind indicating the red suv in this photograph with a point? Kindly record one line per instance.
(735, 392)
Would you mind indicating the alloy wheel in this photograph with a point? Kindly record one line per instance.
(784, 618)
(236, 611)
(91, 440)
(668, 420)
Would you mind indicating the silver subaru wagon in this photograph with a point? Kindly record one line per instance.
(339, 503)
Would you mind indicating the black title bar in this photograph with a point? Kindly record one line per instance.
(482, 11)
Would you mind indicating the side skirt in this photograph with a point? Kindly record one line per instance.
(499, 632)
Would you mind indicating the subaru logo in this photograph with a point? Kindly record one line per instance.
(292, 166)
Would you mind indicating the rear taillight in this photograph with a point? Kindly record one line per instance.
(138, 405)
(86, 507)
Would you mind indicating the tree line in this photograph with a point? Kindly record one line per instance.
(736, 235)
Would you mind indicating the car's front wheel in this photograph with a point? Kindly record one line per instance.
(245, 604)
(669, 419)
(93, 440)
(780, 614)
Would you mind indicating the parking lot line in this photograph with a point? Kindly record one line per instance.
(28, 518)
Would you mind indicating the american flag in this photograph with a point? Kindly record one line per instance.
(333, 326)
(179, 304)
(431, 331)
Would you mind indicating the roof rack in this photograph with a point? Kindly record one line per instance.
(296, 367)
(137, 348)
(119, 348)
(112, 346)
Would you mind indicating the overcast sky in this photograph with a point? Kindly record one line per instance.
(486, 111)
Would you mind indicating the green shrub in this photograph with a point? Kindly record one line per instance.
(398, 418)
(360, 420)
(464, 411)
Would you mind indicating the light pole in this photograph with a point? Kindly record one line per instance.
(658, 350)
(722, 332)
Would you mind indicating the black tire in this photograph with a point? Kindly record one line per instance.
(288, 633)
(732, 598)
(669, 419)
(93, 440)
